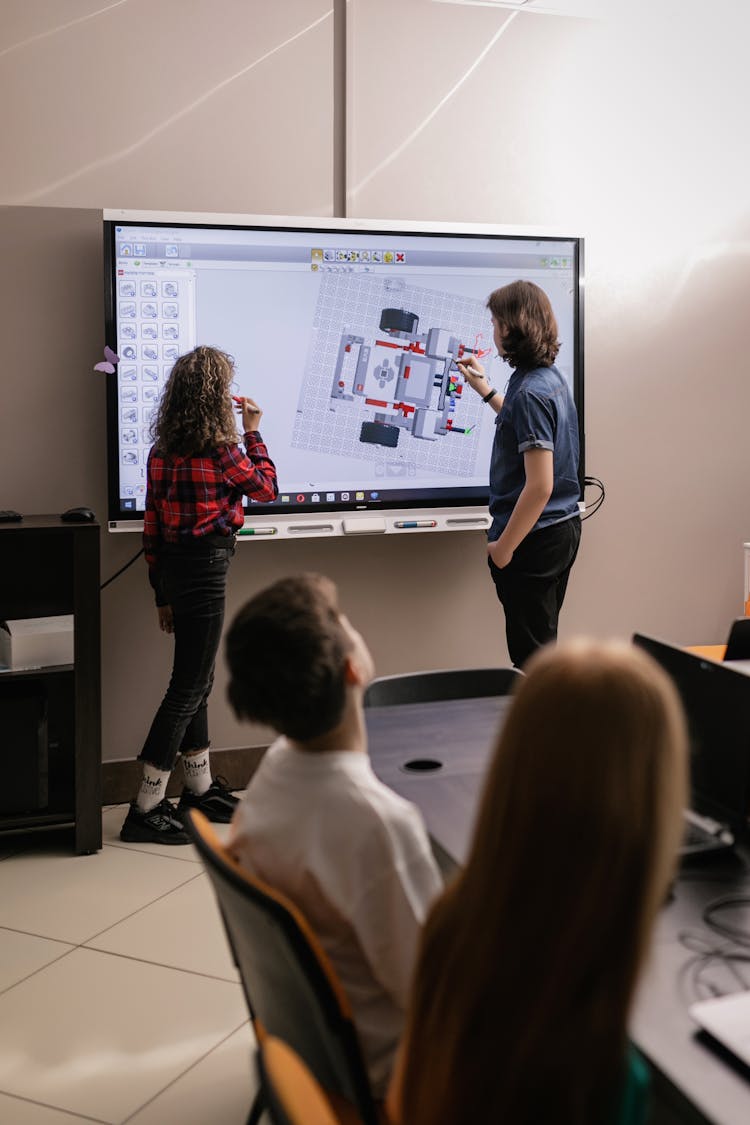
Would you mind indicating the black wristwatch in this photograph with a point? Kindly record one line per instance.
(490, 395)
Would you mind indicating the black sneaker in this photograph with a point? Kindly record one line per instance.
(159, 826)
(217, 803)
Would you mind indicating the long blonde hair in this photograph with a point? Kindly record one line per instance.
(529, 960)
(195, 411)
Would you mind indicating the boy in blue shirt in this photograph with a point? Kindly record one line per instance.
(534, 488)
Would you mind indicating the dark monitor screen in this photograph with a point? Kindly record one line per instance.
(716, 701)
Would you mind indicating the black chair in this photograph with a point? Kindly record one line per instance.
(292, 991)
(290, 1091)
(449, 683)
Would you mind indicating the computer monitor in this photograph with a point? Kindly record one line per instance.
(716, 701)
(346, 332)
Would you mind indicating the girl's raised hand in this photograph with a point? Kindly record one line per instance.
(250, 411)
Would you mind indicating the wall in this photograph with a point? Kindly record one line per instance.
(629, 129)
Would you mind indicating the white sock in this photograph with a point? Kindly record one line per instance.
(197, 771)
(153, 787)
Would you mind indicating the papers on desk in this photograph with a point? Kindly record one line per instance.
(727, 1019)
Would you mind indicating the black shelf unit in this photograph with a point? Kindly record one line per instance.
(49, 567)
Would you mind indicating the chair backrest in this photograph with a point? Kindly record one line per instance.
(290, 1092)
(449, 683)
(292, 991)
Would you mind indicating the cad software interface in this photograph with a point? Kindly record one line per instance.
(348, 341)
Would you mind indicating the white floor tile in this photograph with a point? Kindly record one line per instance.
(73, 898)
(219, 1089)
(15, 1111)
(101, 1035)
(21, 955)
(183, 930)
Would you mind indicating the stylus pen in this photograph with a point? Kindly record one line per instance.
(416, 523)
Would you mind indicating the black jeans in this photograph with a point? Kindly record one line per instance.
(194, 582)
(531, 588)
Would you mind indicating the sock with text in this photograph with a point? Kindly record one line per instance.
(197, 771)
(153, 788)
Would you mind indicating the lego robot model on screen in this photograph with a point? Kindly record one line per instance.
(410, 379)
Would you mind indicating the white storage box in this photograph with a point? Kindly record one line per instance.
(35, 642)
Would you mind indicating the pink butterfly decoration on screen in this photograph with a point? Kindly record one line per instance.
(108, 363)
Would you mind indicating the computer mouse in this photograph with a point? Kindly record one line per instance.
(78, 515)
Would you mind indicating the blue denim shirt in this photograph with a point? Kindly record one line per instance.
(538, 413)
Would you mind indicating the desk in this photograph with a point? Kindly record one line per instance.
(710, 652)
(690, 1083)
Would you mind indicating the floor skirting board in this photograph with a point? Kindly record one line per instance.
(120, 779)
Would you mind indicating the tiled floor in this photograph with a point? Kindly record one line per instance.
(119, 1001)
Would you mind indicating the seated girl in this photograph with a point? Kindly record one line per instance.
(529, 960)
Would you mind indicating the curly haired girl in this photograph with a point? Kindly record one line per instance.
(197, 475)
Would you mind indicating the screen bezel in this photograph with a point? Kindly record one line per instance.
(473, 502)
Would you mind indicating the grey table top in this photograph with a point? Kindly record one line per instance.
(461, 736)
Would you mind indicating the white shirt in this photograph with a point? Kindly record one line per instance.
(354, 857)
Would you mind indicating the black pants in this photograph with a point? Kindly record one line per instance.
(531, 588)
(194, 583)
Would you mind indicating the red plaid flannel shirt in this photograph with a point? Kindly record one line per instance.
(189, 497)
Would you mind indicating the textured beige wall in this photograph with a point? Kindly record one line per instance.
(204, 105)
(630, 130)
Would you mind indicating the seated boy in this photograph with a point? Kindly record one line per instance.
(315, 823)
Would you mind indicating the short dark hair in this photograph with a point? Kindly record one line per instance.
(286, 650)
(530, 329)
